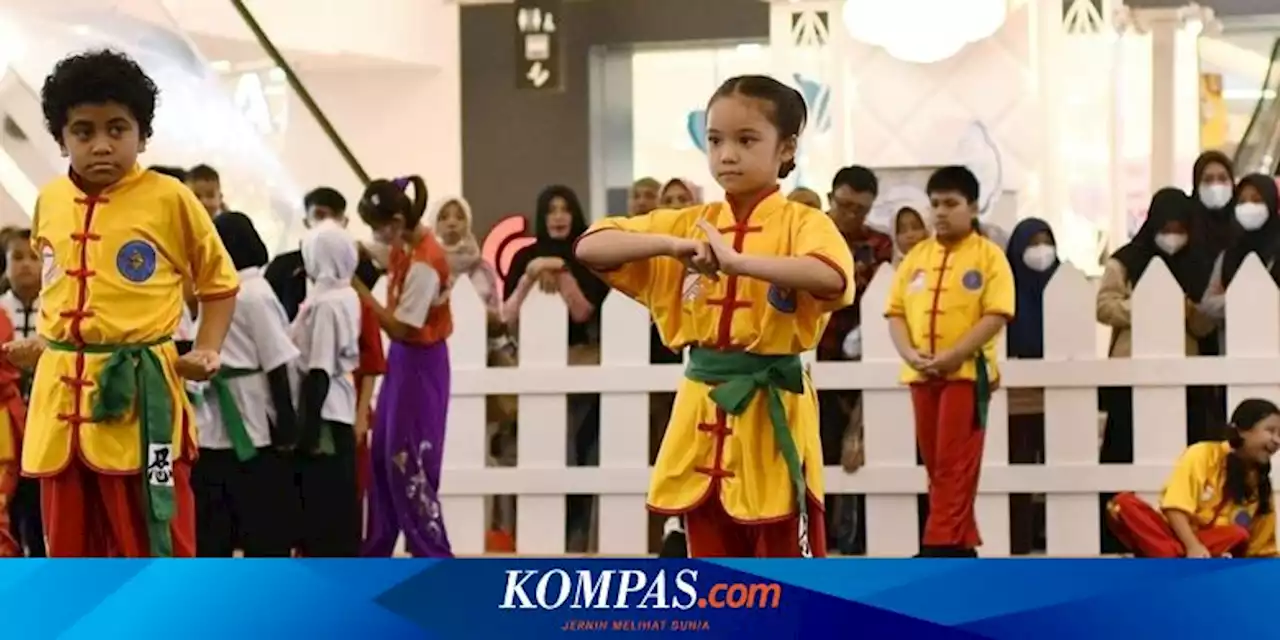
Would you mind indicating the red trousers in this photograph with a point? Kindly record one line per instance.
(712, 533)
(1148, 534)
(95, 515)
(950, 441)
(9, 472)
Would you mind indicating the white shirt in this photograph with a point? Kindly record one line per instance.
(257, 339)
(24, 318)
(421, 292)
(327, 333)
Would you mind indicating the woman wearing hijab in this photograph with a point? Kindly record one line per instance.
(1213, 179)
(1033, 257)
(549, 264)
(327, 333)
(451, 220)
(1256, 216)
(1163, 236)
(910, 218)
(679, 193)
(242, 481)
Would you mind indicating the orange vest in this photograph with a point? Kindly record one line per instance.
(439, 324)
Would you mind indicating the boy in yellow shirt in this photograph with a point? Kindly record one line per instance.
(116, 243)
(952, 295)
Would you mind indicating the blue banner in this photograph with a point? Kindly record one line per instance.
(741, 599)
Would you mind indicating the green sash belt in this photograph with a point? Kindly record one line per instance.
(738, 375)
(134, 376)
(232, 419)
(981, 389)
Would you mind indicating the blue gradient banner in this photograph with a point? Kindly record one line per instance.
(741, 599)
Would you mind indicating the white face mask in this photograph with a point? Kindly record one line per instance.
(1252, 215)
(1215, 196)
(1040, 257)
(1171, 243)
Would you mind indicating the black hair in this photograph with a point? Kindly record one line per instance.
(1246, 416)
(172, 172)
(96, 78)
(858, 178)
(384, 199)
(203, 173)
(241, 240)
(788, 114)
(15, 233)
(955, 179)
(325, 197)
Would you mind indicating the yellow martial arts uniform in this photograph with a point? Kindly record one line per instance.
(703, 446)
(113, 268)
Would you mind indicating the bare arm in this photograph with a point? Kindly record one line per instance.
(215, 320)
(608, 249)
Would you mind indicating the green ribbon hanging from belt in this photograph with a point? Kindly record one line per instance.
(981, 389)
(232, 419)
(134, 376)
(738, 375)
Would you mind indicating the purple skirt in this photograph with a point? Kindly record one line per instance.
(407, 451)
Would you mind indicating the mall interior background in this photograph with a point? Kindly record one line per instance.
(1055, 108)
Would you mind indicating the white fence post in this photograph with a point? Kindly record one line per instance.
(1071, 414)
(542, 439)
(624, 426)
(464, 441)
(1159, 333)
(889, 433)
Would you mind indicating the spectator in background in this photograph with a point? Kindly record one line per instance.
(853, 192)
(909, 218)
(643, 197)
(177, 173)
(1033, 258)
(1256, 214)
(550, 265)
(1163, 236)
(679, 193)
(286, 273)
(1212, 226)
(22, 304)
(450, 219)
(806, 196)
(205, 182)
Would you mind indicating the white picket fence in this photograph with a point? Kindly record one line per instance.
(1070, 374)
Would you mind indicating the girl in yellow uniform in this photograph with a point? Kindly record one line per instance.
(1218, 499)
(747, 285)
(110, 431)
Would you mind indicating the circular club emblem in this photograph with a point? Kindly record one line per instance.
(1243, 519)
(783, 300)
(49, 270)
(972, 280)
(917, 281)
(136, 260)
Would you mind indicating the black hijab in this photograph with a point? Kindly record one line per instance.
(545, 246)
(241, 240)
(1213, 229)
(1265, 241)
(1191, 266)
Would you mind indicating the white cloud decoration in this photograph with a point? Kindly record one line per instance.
(923, 31)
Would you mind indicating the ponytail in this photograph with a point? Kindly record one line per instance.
(385, 199)
(419, 205)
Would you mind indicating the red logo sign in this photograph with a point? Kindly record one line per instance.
(504, 240)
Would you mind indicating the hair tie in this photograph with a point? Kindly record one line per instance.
(401, 183)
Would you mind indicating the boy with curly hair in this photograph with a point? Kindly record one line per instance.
(110, 431)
